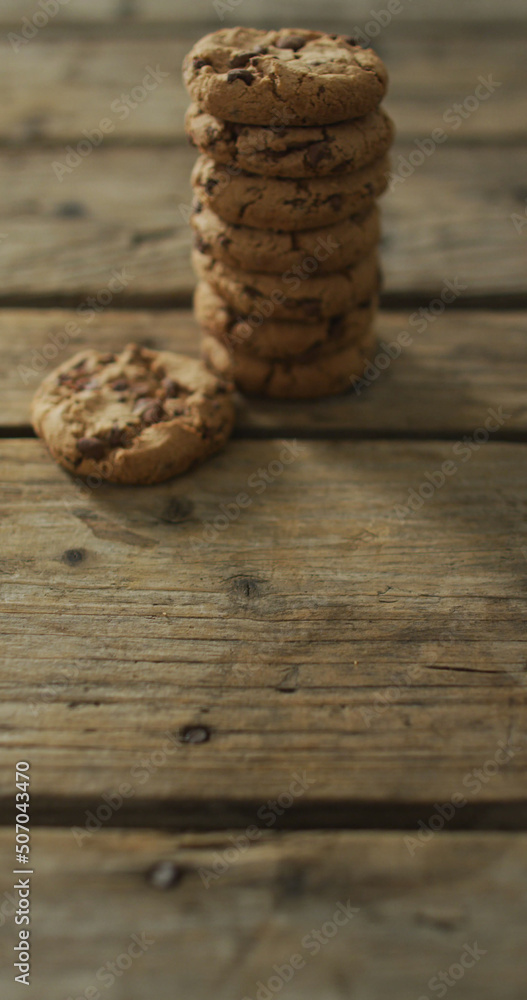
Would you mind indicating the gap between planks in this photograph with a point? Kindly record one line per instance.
(186, 815)
(441, 387)
(328, 434)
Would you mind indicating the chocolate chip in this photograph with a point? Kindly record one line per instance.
(153, 414)
(143, 403)
(242, 58)
(336, 326)
(311, 307)
(237, 62)
(120, 384)
(335, 202)
(210, 184)
(91, 447)
(318, 152)
(244, 75)
(294, 42)
(351, 41)
(141, 389)
(199, 63)
(116, 437)
(171, 388)
(201, 244)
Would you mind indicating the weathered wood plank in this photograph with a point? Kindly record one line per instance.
(251, 12)
(464, 364)
(410, 918)
(279, 631)
(121, 209)
(55, 91)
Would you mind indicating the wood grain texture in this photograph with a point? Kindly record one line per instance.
(465, 363)
(201, 654)
(253, 12)
(414, 915)
(131, 618)
(122, 209)
(58, 87)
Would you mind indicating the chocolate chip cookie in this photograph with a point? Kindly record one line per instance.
(290, 77)
(315, 376)
(310, 250)
(309, 299)
(289, 205)
(138, 417)
(292, 152)
(274, 339)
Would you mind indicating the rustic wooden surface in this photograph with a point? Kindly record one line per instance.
(65, 88)
(415, 915)
(444, 383)
(276, 634)
(256, 12)
(318, 633)
(451, 221)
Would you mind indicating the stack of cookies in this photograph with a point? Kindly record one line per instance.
(293, 155)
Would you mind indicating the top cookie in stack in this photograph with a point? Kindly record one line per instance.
(253, 77)
(294, 152)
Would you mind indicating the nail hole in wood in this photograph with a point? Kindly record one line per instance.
(164, 875)
(73, 556)
(195, 734)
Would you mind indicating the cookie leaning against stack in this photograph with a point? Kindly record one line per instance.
(294, 148)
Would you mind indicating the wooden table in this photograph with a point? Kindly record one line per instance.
(233, 730)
